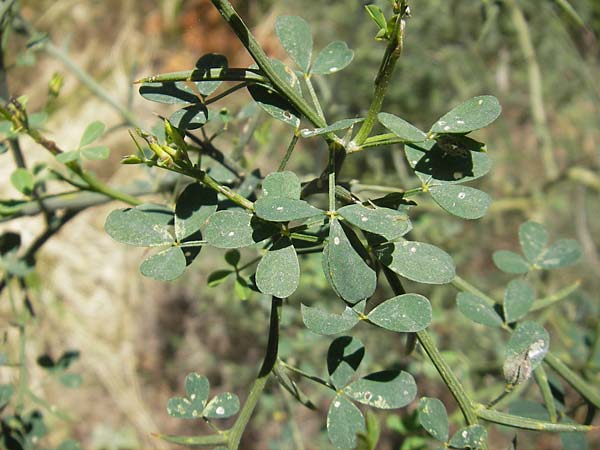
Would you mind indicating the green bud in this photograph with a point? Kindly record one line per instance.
(55, 85)
(132, 159)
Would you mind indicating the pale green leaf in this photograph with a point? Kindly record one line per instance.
(388, 389)
(403, 313)
(67, 157)
(194, 206)
(471, 115)
(389, 223)
(333, 58)
(165, 265)
(98, 153)
(92, 133)
(377, 15)
(282, 184)
(326, 323)
(462, 201)
(295, 37)
(525, 350)
(22, 180)
(476, 309)
(518, 298)
(147, 225)
(434, 418)
(401, 128)
(472, 437)
(234, 229)
(533, 238)
(284, 209)
(563, 253)
(510, 262)
(278, 272)
(222, 406)
(344, 422)
(191, 406)
(336, 126)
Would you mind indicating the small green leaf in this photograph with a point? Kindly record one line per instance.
(194, 206)
(471, 115)
(6, 392)
(282, 184)
(278, 272)
(191, 407)
(165, 265)
(476, 309)
(369, 439)
(389, 223)
(295, 37)
(563, 253)
(434, 418)
(326, 323)
(434, 165)
(472, 437)
(146, 225)
(67, 157)
(336, 126)
(190, 118)
(401, 128)
(218, 277)
(241, 289)
(344, 422)
(525, 350)
(283, 209)
(23, 181)
(204, 66)
(222, 406)
(417, 261)
(533, 238)
(377, 15)
(333, 58)
(232, 257)
(404, 313)
(462, 201)
(98, 153)
(510, 262)
(518, 298)
(234, 229)
(343, 358)
(345, 266)
(389, 389)
(92, 132)
(70, 380)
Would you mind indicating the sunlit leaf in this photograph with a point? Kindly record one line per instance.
(295, 37)
(165, 265)
(92, 132)
(146, 225)
(336, 126)
(471, 115)
(278, 272)
(462, 201)
(389, 223)
(98, 153)
(284, 209)
(404, 313)
(222, 406)
(401, 128)
(234, 229)
(191, 406)
(333, 58)
(22, 180)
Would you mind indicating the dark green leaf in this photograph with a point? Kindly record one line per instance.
(433, 165)
(434, 418)
(190, 118)
(282, 184)
(170, 93)
(417, 261)
(296, 38)
(462, 201)
(525, 350)
(22, 180)
(404, 313)
(235, 229)
(471, 115)
(518, 298)
(389, 223)
(510, 262)
(343, 358)
(344, 422)
(232, 257)
(278, 272)
(389, 389)
(476, 309)
(194, 206)
(204, 66)
(191, 407)
(283, 209)
(471, 437)
(324, 322)
(222, 406)
(218, 277)
(146, 225)
(401, 128)
(165, 265)
(95, 153)
(92, 132)
(345, 266)
(563, 253)
(333, 58)
(336, 126)
(533, 238)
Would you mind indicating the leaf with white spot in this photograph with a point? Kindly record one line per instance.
(563, 253)
(433, 417)
(404, 313)
(462, 201)
(401, 128)
(510, 262)
(533, 238)
(525, 350)
(345, 266)
(472, 437)
(326, 323)
(194, 206)
(389, 389)
(418, 261)
(235, 229)
(191, 406)
(147, 225)
(222, 406)
(343, 358)
(386, 222)
(166, 265)
(295, 37)
(476, 309)
(518, 298)
(282, 184)
(471, 115)
(336, 126)
(283, 209)
(333, 58)
(278, 272)
(344, 422)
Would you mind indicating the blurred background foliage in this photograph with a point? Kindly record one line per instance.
(138, 338)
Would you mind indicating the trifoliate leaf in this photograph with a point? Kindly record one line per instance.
(191, 406)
